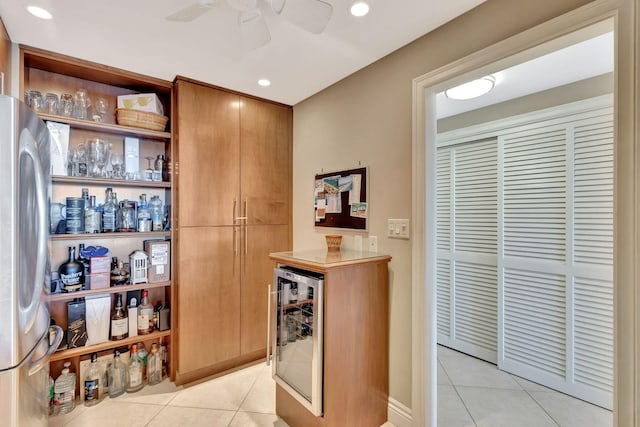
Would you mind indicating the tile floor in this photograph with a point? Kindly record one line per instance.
(474, 393)
(471, 393)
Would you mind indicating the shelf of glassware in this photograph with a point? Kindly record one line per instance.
(115, 235)
(107, 127)
(59, 179)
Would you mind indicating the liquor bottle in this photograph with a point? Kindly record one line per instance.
(119, 321)
(51, 388)
(64, 391)
(85, 263)
(145, 314)
(119, 275)
(117, 376)
(92, 382)
(157, 215)
(134, 377)
(154, 365)
(91, 217)
(144, 215)
(85, 197)
(144, 357)
(109, 213)
(71, 273)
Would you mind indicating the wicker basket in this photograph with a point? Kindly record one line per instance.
(141, 119)
(334, 241)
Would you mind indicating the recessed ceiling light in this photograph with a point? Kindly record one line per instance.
(359, 8)
(472, 89)
(39, 12)
(264, 82)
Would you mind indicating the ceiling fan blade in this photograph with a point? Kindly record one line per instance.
(193, 11)
(243, 5)
(311, 15)
(254, 30)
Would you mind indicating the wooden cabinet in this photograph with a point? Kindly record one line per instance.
(50, 72)
(356, 340)
(233, 184)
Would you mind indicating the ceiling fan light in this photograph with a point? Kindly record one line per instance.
(264, 82)
(254, 30)
(39, 12)
(472, 89)
(359, 8)
(310, 15)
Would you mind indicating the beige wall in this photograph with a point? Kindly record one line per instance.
(367, 118)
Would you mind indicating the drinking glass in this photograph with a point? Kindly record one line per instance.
(97, 154)
(81, 104)
(35, 101)
(117, 160)
(81, 160)
(51, 103)
(65, 106)
(100, 109)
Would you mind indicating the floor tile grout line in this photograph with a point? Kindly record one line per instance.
(456, 390)
(539, 404)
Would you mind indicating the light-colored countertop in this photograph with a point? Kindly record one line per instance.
(322, 257)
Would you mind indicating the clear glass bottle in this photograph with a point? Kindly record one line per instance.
(145, 314)
(119, 321)
(134, 377)
(126, 217)
(91, 217)
(157, 214)
(92, 382)
(64, 391)
(154, 365)
(85, 197)
(144, 356)
(52, 386)
(117, 376)
(144, 215)
(119, 275)
(109, 212)
(71, 273)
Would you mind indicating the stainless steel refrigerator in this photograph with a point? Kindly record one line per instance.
(24, 231)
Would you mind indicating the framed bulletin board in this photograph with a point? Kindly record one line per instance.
(340, 199)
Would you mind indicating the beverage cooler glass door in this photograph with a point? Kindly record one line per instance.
(298, 341)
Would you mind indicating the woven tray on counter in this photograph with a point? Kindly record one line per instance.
(141, 119)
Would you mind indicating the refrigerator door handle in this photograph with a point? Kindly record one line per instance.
(27, 147)
(36, 365)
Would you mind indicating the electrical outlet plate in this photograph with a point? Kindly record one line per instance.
(373, 244)
(398, 228)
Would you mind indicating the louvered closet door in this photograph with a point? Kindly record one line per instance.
(467, 243)
(557, 241)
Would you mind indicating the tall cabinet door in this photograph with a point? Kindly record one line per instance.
(257, 273)
(209, 301)
(209, 155)
(265, 138)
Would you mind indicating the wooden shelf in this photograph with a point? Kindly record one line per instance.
(112, 290)
(108, 236)
(107, 127)
(297, 304)
(82, 180)
(79, 351)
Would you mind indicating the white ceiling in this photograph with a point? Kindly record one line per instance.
(133, 35)
(579, 61)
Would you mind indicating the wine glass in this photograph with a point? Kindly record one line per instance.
(101, 107)
(98, 154)
(81, 105)
(117, 160)
(148, 173)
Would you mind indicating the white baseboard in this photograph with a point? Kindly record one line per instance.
(398, 414)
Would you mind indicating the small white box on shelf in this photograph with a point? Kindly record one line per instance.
(131, 155)
(142, 102)
(59, 147)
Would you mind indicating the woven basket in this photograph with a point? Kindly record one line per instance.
(141, 119)
(333, 242)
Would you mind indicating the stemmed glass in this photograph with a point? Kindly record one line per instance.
(117, 160)
(148, 173)
(98, 153)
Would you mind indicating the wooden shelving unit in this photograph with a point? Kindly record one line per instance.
(112, 290)
(109, 236)
(56, 179)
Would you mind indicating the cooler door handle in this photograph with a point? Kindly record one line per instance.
(36, 365)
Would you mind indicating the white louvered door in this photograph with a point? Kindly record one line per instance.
(537, 271)
(467, 244)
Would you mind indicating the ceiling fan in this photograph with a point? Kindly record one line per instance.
(310, 15)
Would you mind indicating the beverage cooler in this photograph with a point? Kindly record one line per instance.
(296, 319)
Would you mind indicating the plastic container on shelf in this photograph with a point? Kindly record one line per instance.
(64, 391)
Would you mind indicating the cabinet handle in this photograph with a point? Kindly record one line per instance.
(246, 210)
(235, 241)
(233, 213)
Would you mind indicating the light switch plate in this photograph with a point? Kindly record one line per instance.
(398, 228)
